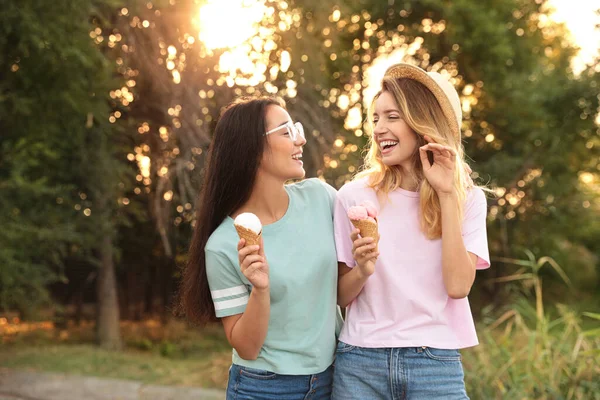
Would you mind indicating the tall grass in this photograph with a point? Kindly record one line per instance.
(531, 353)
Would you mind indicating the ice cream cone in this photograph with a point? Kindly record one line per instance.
(251, 237)
(368, 228)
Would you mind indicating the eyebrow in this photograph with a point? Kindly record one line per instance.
(389, 110)
(279, 126)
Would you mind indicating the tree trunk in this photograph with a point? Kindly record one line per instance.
(107, 318)
(126, 297)
(78, 307)
(149, 288)
(167, 290)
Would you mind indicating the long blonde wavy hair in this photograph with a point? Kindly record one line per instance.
(423, 114)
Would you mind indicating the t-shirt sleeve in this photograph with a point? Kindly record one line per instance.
(331, 192)
(229, 293)
(474, 227)
(342, 229)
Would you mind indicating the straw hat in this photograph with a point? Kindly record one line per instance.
(442, 89)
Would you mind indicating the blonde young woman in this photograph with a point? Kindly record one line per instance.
(407, 308)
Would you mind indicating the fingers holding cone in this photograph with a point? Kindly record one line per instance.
(368, 228)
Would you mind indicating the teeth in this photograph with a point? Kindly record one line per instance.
(388, 143)
(297, 156)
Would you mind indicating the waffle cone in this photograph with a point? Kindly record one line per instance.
(251, 237)
(367, 228)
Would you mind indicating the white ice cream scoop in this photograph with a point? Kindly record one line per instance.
(249, 221)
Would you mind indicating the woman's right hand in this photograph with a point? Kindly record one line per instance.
(254, 266)
(363, 251)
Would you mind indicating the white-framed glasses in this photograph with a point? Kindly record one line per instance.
(295, 130)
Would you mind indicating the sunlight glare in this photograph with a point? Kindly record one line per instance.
(144, 165)
(354, 118)
(286, 60)
(580, 18)
(374, 74)
(229, 23)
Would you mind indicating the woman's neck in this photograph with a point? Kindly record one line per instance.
(268, 200)
(408, 180)
(409, 183)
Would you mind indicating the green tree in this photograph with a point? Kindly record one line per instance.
(62, 170)
(528, 122)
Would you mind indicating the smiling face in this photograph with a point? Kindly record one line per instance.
(283, 158)
(397, 143)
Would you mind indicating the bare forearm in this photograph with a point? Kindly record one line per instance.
(457, 266)
(350, 285)
(249, 333)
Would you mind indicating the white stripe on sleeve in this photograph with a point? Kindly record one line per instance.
(217, 294)
(223, 305)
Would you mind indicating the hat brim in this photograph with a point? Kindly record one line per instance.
(409, 71)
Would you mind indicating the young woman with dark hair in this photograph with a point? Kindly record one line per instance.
(276, 300)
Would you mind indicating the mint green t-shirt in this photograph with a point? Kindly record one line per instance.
(300, 251)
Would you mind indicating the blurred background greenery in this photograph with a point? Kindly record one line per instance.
(106, 113)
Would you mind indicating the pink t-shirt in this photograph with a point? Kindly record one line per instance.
(404, 303)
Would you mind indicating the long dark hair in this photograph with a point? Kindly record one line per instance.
(231, 166)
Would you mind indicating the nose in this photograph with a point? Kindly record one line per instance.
(300, 141)
(379, 128)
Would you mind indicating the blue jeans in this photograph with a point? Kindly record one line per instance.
(412, 373)
(249, 383)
